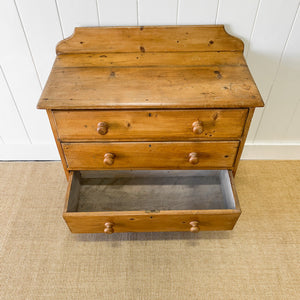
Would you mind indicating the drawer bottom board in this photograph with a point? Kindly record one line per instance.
(136, 201)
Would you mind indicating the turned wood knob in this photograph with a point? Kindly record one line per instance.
(195, 226)
(197, 127)
(102, 128)
(109, 158)
(193, 158)
(109, 228)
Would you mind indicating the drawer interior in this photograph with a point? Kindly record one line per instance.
(159, 200)
(106, 191)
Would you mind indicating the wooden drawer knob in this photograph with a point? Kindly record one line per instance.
(109, 159)
(193, 158)
(195, 226)
(102, 128)
(197, 127)
(109, 228)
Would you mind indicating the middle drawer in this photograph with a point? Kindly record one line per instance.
(155, 125)
(151, 155)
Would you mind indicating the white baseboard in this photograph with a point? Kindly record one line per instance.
(49, 152)
(271, 152)
(29, 152)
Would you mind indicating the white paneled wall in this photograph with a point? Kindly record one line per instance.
(126, 13)
(197, 12)
(154, 12)
(270, 35)
(74, 13)
(239, 17)
(30, 30)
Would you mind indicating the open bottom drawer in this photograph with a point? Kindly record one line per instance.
(137, 201)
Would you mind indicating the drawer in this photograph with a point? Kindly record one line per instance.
(151, 155)
(159, 125)
(136, 201)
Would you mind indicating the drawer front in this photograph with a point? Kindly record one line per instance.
(95, 125)
(95, 222)
(152, 155)
(92, 221)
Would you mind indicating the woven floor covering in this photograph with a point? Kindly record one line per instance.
(41, 259)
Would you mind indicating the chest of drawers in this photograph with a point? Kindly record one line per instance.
(150, 123)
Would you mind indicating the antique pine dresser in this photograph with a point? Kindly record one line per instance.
(150, 123)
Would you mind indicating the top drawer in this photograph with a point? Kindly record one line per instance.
(160, 125)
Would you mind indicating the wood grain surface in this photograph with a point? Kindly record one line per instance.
(151, 155)
(150, 87)
(150, 67)
(149, 39)
(151, 59)
(93, 222)
(163, 125)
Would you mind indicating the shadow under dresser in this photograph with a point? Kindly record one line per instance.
(150, 123)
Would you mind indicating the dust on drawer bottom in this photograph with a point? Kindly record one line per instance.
(145, 201)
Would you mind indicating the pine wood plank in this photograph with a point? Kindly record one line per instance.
(150, 155)
(208, 220)
(149, 39)
(157, 59)
(164, 125)
(150, 87)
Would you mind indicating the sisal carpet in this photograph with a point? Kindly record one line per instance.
(41, 259)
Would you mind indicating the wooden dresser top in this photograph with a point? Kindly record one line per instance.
(150, 67)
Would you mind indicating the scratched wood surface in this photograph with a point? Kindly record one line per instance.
(150, 87)
(150, 155)
(149, 39)
(163, 125)
(148, 59)
(150, 67)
